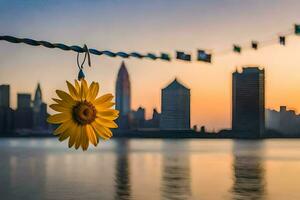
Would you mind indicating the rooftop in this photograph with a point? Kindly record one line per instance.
(175, 85)
(123, 70)
(247, 70)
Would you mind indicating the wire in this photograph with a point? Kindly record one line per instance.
(79, 49)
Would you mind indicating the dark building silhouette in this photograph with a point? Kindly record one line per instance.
(24, 100)
(123, 97)
(285, 121)
(24, 112)
(37, 102)
(4, 96)
(6, 120)
(137, 118)
(272, 119)
(248, 102)
(175, 107)
(154, 122)
(39, 110)
(29, 114)
(202, 129)
(6, 113)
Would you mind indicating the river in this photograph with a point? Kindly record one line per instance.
(150, 169)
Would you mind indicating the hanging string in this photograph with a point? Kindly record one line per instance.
(255, 45)
(80, 66)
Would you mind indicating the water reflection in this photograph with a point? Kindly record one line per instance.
(175, 183)
(150, 169)
(18, 168)
(248, 170)
(122, 179)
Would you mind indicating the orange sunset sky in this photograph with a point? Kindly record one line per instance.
(154, 26)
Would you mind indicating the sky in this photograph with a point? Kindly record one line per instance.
(154, 26)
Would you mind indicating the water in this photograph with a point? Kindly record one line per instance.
(150, 169)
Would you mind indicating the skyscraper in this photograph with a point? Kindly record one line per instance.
(4, 96)
(24, 100)
(6, 113)
(24, 112)
(248, 102)
(37, 101)
(175, 107)
(39, 110)
(123, 97)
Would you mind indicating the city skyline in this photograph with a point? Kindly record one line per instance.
(30, 114)
(247, 100)
(176, 26)
(120, 75)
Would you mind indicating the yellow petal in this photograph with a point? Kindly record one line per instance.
(73, 92)
(65, 97)
(101, 131)
(84, 139)
(63, 127)
(77, 86)
(63, 103)
(60, 108)
(63, 136)
(91, 135)
(103, 99)
(93, 91)
(78, 137)
(109, 114)
(59, 101)
(74, 131)
(106, 122)
(59, 118)
(84, 89)
(105, 105)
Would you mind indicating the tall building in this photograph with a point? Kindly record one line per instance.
(24, 112)
(6, 120)
(123, 97)
(248, 102)
(4, 96)
(37, 101)
(175, 107)
(24, 100)
(39, 110)
(6, 113)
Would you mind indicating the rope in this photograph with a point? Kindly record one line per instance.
(79, 49)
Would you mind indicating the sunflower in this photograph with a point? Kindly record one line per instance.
(83, 117)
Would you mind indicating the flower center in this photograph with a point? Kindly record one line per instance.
(84, 113)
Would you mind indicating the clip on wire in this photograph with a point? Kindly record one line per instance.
(80, 66)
